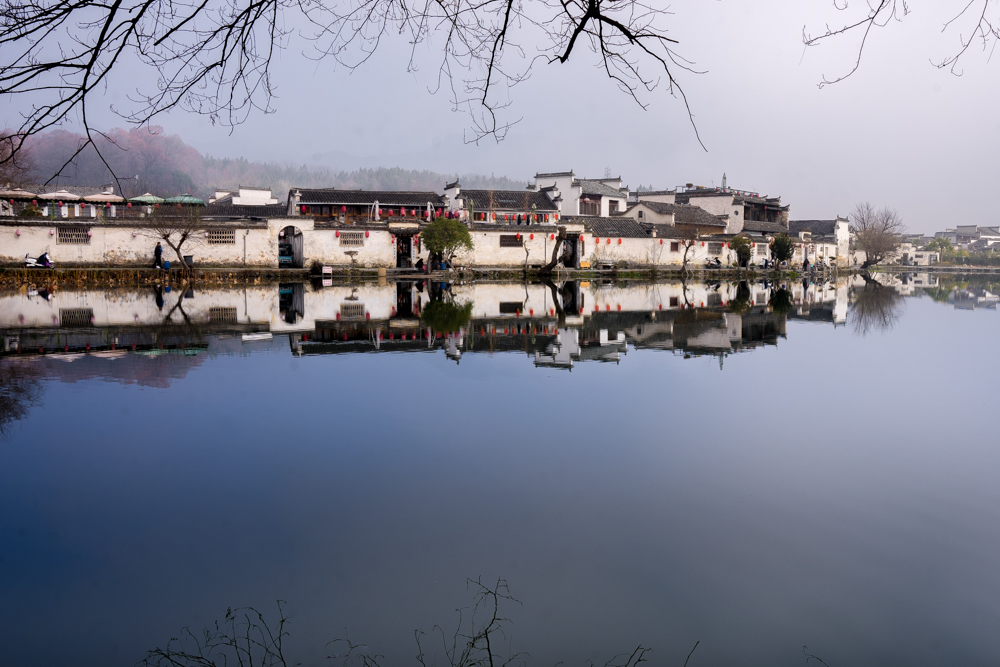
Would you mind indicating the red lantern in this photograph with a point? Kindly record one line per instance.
(702, 244)
(552, 237)
(581, 237)
(609, 241)
(596, 240)
(34, 202)
(343, 209)
(619, 241)
(494, 217)
(546, 217)
(532, 237)
(304, 208)
(439, 213)
(366, 233)
(661, 241)
(337, 233)
(107, 205)
(129, 205)
(60, 203)
(380, 211)
(519, 236)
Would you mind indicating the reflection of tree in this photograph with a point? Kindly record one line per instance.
(480, 639)
(446, 316)
(743, 300)
(781, 301)
(876, 307)
(19, 390)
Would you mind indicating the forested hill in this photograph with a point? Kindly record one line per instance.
(167, 166)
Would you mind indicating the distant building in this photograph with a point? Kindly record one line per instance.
(504, 206)
(826, 240)
(681, 217)
(583, 196)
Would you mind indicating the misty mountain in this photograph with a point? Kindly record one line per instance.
(149, 160)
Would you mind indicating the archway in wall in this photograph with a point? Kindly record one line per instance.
(290, 248)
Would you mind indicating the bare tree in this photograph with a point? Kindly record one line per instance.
(876, 307)
(877, 232)
(687, 238)
(977, 22)
(180, 232)
(16, 164)
(214, 57)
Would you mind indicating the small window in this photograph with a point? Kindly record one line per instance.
(73, 236)
(352, 239)
(511, 241)
(640, 212)
(222, 237)
(588, 207)
(353, 310)
(675, 246)
(222, 315)
(714, 248)
(76, 317)
(613, 206)
(511, 307)
(674, 301)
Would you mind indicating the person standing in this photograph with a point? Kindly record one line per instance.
(158, 256)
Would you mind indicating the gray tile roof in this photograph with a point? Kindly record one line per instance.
(598, 188)
(368, 197)
(814, 227)
(555, 174)
(686, 214)
(226, 209)
(663, 208)
(765, 227)
(617, 226)
(507, 200)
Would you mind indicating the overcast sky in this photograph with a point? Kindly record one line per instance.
(899, 132)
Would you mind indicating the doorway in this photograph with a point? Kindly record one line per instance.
(404, 251)
(290, 248)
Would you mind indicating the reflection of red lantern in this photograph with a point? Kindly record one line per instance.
(439, 213)
(661, 241)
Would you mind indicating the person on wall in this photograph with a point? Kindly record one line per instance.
(158, 256)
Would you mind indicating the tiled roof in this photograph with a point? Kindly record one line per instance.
(367, 197)
(225, 209)
(663, 208)
(618, 226)
(812, 226)
(651, 193)
(555, 174)
(686, 214)
(78, 190)
(598, 188)
(766, 227)
(507, 200)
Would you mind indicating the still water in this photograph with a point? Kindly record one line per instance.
(756, 468)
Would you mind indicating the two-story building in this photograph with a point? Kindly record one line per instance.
(584, 196)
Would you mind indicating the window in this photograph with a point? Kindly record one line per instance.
(222, 237)
(222, 315)
(352, 310)
(613, 206)
(73, 236)
(714, 299)
(588, 207)
(352, 239)
(640, 212)
(511, 307)
(674, 301)
(511, 241)
(714, 248)
(675, 246)
(76, 317)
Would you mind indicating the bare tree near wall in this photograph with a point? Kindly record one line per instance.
(181, 231)
(976, 22)
(214, 57)
(876, 231)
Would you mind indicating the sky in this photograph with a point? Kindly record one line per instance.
(891, 134)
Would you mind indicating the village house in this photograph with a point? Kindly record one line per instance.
(821, 240)
(583, 196)
(737, 207)
(680, 217)
(508, 207)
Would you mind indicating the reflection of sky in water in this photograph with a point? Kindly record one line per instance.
(835, 491)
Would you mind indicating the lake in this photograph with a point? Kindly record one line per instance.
(758, 468)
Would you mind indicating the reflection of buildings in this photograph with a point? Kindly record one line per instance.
(555, 325)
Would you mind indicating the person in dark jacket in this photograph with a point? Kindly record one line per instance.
(158, 256)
